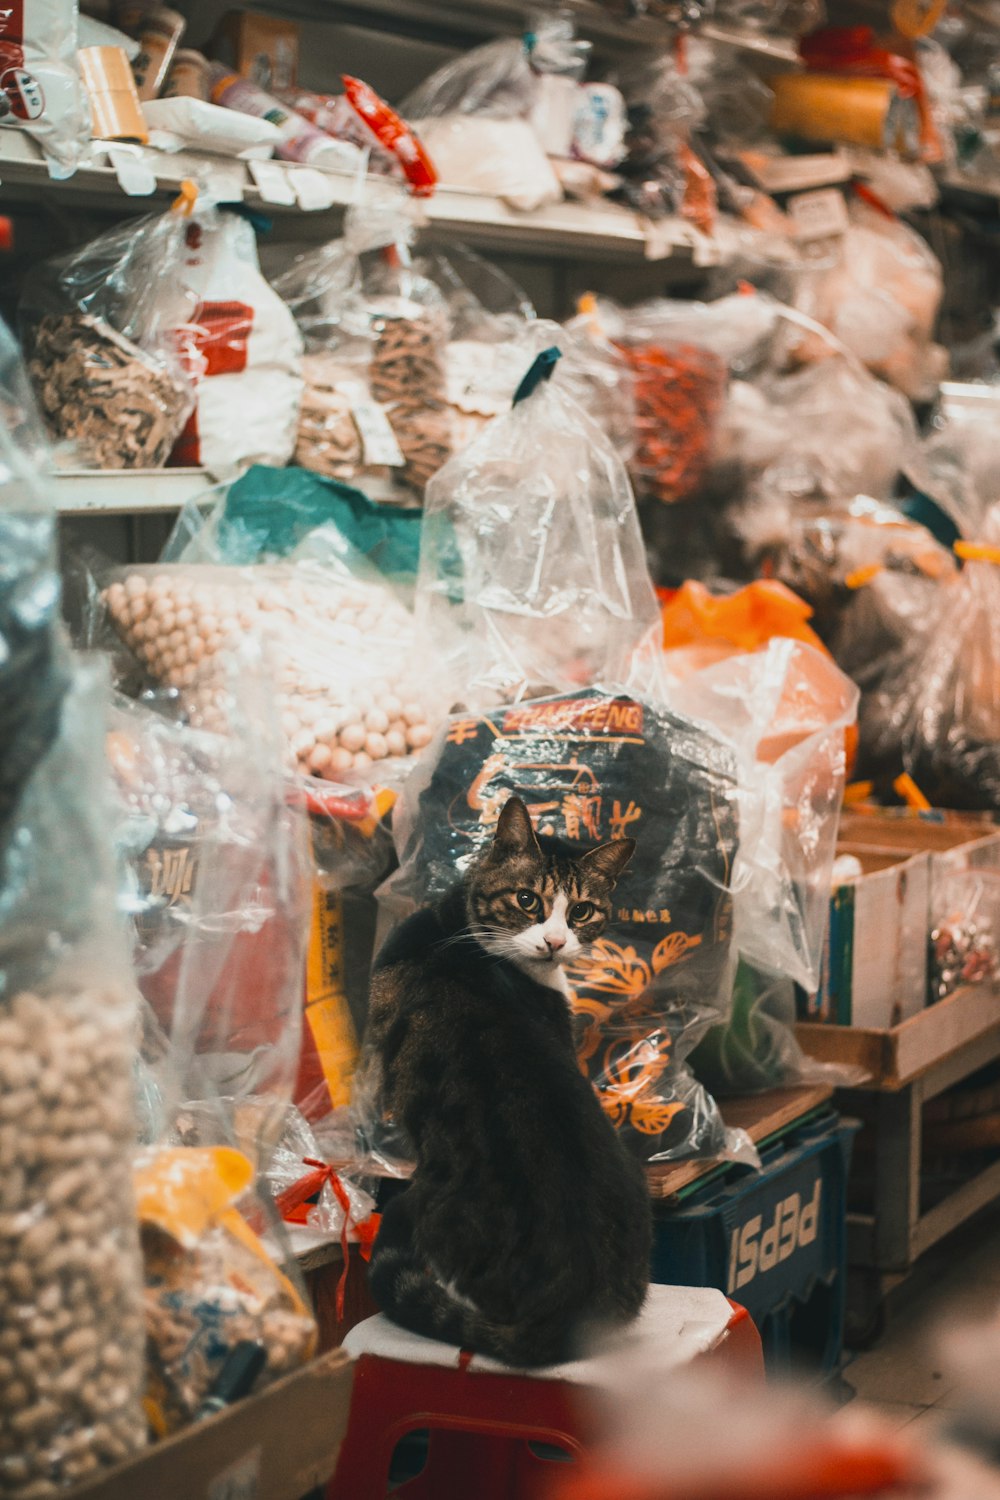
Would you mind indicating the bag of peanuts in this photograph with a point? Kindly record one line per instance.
(375, 330)
(71, 1327)
(339, 653)
(98, 332)
(533, 573)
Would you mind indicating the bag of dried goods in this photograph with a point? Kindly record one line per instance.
(532, 574)
(375, 331)
(881, 300)
(40, 88)
(240, 347)
(590, 766)
(338, 650)
(71, 1330)
(935, 711)
(212, 1289)
(98, 329)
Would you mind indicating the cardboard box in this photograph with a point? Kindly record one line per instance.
(279, 1445)
(260, 48)
(874, 971)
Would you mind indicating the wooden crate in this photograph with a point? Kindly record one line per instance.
(279, 1445)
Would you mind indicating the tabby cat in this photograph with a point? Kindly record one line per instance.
(526, 1221)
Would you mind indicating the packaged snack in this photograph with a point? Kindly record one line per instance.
(593, 765)
(184, 121)
(211, 1287)
(98, 334)
(70, 1270)
(299, 141)
(240, 347)
(392, 133)
(533, 575)
(41, 90)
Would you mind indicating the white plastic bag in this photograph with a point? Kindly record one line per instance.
(40, 89)
(242, 349)
(532, 569)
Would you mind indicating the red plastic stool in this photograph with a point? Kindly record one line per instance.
(482, 1416)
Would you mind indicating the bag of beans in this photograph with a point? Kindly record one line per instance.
(97, 329)
(593, 765)
(71, 1327)
(533, 573)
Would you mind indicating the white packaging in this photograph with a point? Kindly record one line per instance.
(243, 350)
(40, 89)
(485, 155)
(195, 122)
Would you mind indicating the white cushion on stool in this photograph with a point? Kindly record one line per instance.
(676, 1325)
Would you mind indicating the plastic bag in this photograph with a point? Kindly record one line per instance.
(42, 92)
(375, 331)
(489, 117)
(98, 335)
(337, 645)
(532, 569)
(593, 765)
(881, 300)
(211, 1287)
(70, 1270)
(936, 710)
(241, 348)
(961, 462)
(700, 628)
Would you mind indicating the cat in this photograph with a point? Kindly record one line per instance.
(526, 1222)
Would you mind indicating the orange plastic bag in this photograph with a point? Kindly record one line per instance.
(701, 628)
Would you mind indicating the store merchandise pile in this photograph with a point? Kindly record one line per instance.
(691, 572)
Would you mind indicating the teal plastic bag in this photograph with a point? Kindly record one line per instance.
(266, 513)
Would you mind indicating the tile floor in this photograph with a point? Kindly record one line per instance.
(901, 1373)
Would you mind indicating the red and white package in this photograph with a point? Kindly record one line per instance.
(241, 348)
(40, 89)
(394, 134)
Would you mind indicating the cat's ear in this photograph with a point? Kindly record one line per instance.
(515, 834)
(608, 860)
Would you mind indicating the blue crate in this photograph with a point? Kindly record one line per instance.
(774, 1241)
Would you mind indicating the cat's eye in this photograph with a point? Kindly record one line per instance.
(581, 911)
(528, 901)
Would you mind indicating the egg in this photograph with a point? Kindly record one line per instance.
(417, 736)
(375, 746)
(319, 758)
(353, 736)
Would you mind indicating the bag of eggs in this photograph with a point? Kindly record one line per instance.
(339, 649)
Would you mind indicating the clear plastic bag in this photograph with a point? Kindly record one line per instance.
(881, 300)
(589, 766)
(70, 1269)
(212, 1290)
(487, 117)
(98, 331)
(43, 93)
(961, 464)
(532, 568)
(375, 330)
(935, 712)
(338, 652)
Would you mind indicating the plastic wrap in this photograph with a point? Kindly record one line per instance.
(961, 463)
(375, 331)
(592, 766)
(881, 300)
(70, 1270)
(489, 117)
(935, 712)
(98, 333)
(338, 650)
(532, 569)
(42, 92)
(211, 1287)
(241, 348)
(664, 108)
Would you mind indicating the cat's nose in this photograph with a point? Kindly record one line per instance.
(553, 942)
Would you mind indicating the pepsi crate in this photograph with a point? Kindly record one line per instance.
(774, 1241)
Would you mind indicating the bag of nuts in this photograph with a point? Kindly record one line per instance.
(71, 1325)
(98, 333)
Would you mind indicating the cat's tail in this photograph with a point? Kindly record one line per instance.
(414, 1298)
